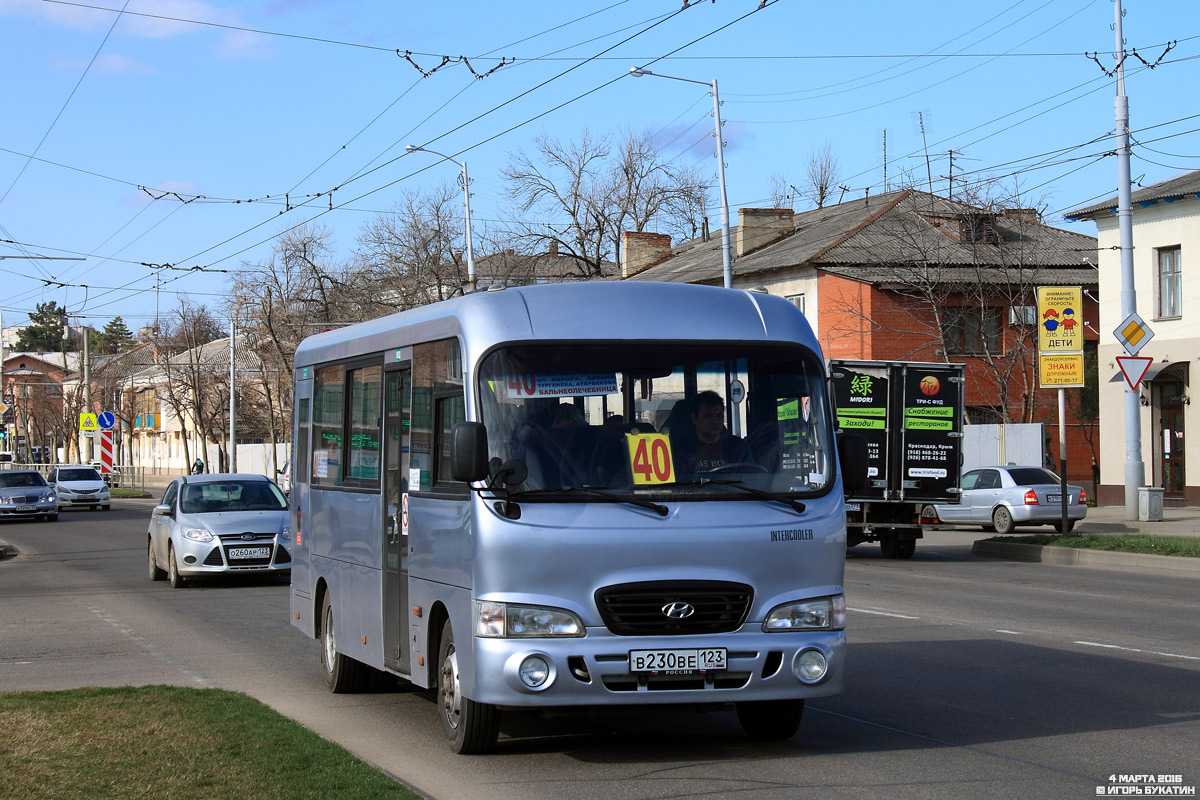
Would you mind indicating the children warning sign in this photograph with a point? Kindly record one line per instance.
(1060, 319)
(1060, 336)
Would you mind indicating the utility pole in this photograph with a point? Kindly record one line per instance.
(232, 392)
(85, 444)
(1135, 469)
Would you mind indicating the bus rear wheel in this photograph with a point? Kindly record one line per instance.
(343, 674)
(470, 727)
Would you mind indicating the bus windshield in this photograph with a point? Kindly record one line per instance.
(659, 421)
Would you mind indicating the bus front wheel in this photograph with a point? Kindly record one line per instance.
(470, 727)
(765, 720)
(343, 674)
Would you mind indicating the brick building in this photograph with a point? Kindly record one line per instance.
(915, 277)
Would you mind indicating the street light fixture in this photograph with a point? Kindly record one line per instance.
(466, 206)
(726, 257)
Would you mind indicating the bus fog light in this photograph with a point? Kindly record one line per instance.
(810, 666)
(534, 671)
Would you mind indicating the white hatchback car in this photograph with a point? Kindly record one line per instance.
(219, 524)
(79, 486)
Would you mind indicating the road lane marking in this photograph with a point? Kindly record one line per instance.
(1014, 633)
(1136, 650)
(198, 677)
(882, 613)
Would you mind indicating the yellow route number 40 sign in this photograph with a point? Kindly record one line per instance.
(650, 458)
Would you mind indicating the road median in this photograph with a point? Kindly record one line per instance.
(1075, 556)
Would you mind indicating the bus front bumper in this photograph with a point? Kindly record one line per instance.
(598, 669)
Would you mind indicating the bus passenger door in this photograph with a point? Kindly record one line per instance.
(397, 406)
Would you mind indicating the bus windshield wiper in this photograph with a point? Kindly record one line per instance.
(796, 505)
(591, 491)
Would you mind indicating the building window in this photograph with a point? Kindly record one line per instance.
(972, 330)
(797, 300)
(1169, 282)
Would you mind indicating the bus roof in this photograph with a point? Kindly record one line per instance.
(578, 311)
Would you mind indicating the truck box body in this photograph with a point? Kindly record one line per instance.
(911, 417)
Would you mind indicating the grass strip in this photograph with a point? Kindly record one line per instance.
(167, 741)
(1188, 547)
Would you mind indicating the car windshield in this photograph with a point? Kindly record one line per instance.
(79, 474)
(14, 480)
(659, 421)
(1032, 476)
(216, 497)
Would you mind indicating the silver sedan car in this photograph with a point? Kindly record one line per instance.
(219, 524)
(25, 493)
(1001, 498)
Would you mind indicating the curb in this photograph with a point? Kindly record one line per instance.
(1072, 556)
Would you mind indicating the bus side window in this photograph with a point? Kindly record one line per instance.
(438, 403)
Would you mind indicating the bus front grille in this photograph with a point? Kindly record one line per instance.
(674, 608)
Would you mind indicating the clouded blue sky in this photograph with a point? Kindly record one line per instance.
(191, 133)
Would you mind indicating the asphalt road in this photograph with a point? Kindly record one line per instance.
(967, 678)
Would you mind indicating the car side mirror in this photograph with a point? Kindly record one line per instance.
(162, 511)
(468, 451)
(852, 457)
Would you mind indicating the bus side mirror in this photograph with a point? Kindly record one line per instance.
(852, 457)
(468, 451)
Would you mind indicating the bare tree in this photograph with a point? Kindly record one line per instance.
(412, 254)
(820, 176)
(782, 193)
(582, 198)
(193, 388)
(953, 273)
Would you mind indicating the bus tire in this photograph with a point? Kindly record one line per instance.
(470, 727)
(343, 674)
(766, 720)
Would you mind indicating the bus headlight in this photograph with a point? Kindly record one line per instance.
(822, 614)
(507, 621)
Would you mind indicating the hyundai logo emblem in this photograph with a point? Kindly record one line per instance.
(678, 610)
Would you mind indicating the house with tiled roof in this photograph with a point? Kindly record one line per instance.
(909, 276)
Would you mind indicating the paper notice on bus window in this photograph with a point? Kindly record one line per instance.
(573, 384)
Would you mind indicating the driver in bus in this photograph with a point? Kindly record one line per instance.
(712, 446)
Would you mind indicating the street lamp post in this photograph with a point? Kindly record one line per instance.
(726, 257)
(466, 206)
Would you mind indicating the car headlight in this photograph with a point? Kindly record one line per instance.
(822, 614)
(507, 621)
(286, 534)
(197, 535)
(49, 498)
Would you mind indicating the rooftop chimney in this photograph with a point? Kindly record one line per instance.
(761, 226)
(641, 250)
(553, 249)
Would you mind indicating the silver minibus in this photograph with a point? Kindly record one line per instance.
(574, 495)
